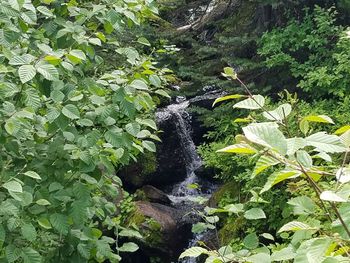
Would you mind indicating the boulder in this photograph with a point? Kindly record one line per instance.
(164, 233)
(152, 194)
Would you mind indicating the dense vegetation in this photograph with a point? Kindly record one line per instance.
(80, 82)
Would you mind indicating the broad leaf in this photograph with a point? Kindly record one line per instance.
(268, 135)
(193, 252)
(280, 113)
(13, 186)
(254, 213)
(71, 111)
(319, 118)
(228, 97)
(295, 226)
(256, 102)
(325, 142)
(239, 148)
(48, 71)
(263, 163)
(129, 247)
(26, 73)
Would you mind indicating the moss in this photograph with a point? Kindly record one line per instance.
(149, 228)
(149, 163)
(229, 190)
(136, 174)
(232, 230)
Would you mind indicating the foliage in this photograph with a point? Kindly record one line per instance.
(315, 50)
(314, 164)
(76, 103)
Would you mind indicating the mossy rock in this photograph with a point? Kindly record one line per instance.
(137, 174)
(232, 230)
(230, 189)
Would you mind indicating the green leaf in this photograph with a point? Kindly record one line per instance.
(254, 213)
(234, 208)
(331, 197)
(147, 122)
(230, 73)
(268, 135)
(194, 252)
(263, 163)
(44, 222)
(45, 11)
(254, 103)
(295, 226)
(144, 41)
(302, 205)
(28, 231)
(319, 118)
(139, 84)
(21, 60)
(162, 93)
(71, 111)
(342, 130)
(85, 122)
(60, 223)
(279, 176)
(13, 186)
(286, 253)
(76, 56)
(304, 158)
(133, 128)
(26, 73)
(343, 175)
(280, 113)
(251, 241)
(129, 247)
(259, 258)
(130, 233)
(48, 71)
(150, 146)
(12, 253)
(43, 202)
(240, 148)
(325, 142)
(295, 144)
(155, 81)
(228, 97)
(32, 174)
(31, 256)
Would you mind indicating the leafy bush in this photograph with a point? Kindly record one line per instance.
(315, 50)
(75, 105)
(315, 165)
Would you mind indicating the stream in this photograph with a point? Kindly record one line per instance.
(184, 193)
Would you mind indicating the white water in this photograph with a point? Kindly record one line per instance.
(181, 194)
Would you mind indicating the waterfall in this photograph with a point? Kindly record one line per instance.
(181, 194)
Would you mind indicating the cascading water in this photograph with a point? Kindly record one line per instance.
(181, 194)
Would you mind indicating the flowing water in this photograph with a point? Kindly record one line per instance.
(184, 193)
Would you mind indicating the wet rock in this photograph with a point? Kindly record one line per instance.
(162, 229)
(139, 173)
(152, 194)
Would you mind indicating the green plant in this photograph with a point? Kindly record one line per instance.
(314, 50)
(76, 102)
(315, 163)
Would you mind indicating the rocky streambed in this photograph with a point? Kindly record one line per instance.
(169, 185)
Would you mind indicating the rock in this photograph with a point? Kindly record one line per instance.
(164, 234)
(139, 173)
(152, 194)
(230, 189)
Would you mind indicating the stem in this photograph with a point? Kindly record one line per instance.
(261, 106)
(318, 191)
(341, 169)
